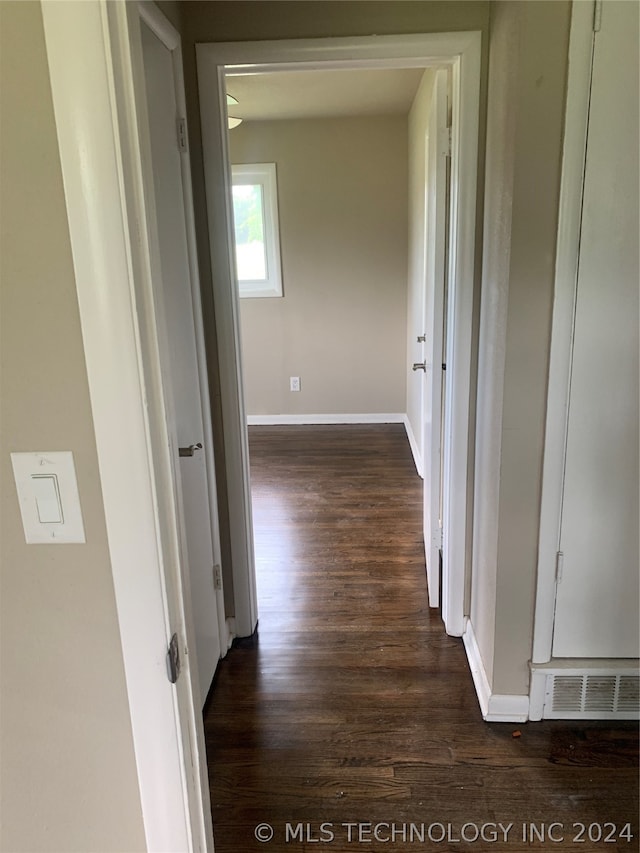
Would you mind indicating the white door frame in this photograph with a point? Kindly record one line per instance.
(434, 286)
(95, 63)
(461, 52)
(566, 277)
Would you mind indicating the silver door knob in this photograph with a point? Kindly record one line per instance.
(189, 451)
(420, 365)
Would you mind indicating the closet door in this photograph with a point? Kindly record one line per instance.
(597, 596)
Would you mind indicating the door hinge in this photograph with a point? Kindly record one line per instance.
(436, 538)
(559, 566)
(445, 141)
(597, 16)
(181, 128)
(173, 660)
(217, 577)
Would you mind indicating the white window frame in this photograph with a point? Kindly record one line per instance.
(263, 174)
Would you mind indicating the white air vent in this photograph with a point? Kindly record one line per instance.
(595, 697)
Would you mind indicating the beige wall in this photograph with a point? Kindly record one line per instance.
(340, 326)
(527, 77)
(418, 121)
(229, 20)
(68, 773)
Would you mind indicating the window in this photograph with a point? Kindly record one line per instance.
(255, 213)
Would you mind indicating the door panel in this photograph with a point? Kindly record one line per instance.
(181, 366)
(597, 597)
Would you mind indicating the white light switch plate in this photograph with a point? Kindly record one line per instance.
(48, 496)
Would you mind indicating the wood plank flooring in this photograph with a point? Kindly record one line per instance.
(353, 709)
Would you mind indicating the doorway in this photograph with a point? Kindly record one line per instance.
(460, 53)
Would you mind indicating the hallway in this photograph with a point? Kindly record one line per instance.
(353, 706)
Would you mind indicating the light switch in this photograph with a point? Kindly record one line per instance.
(48, 497)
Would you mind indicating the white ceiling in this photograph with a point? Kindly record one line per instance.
(323, 94)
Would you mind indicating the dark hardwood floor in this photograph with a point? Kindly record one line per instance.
(353, 709)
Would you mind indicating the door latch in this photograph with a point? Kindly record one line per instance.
(173, 660)
(420, 365)
(189, 451)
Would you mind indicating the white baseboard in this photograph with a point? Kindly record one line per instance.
(367, 418)
(480, 680)
(413, 444)
(231, 632)
(495, 707)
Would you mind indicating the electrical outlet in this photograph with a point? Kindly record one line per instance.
(294, 383)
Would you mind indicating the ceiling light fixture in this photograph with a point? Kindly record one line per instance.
(231, 121)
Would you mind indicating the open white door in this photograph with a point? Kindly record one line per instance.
(436, 267)
(182, 350)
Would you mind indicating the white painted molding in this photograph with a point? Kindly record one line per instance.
(476, 665)
(389, 51)
(569, 220)
(537, 687)
(413, 444)
(230, 628)
(456, 520)
(495, 707)
(507, 708)
(227, 313)
(368, 418)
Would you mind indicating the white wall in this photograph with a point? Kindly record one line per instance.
(341, 324)
(69, 778)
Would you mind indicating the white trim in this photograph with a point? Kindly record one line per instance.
(227, 320)
(457, 480)
(537, 690)
(507, 708)
(88, 51)
(268, 420)
(476, 665)
(391, 51)
(230, 629)
(569, 221)
(495, 707)
(460, 51)
(413, 444)
(163, 29)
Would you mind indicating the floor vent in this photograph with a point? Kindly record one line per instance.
(592, 697)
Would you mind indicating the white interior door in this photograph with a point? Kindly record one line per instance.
(597, 594)
(437, 152)
(182, 364)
